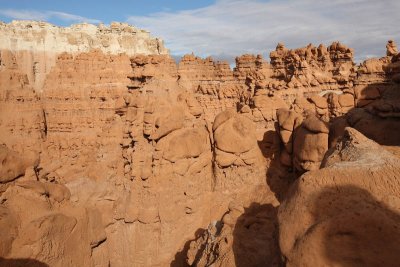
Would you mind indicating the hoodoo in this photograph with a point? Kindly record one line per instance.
(113, 154)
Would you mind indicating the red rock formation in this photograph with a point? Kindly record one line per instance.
(312, 67)
(326, 201)
(346, 212)
(22, 124)
(122, 159)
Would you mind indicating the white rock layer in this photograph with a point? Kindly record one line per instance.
(36, 45)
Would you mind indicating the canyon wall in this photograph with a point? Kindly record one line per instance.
(122, 156)
(36, 45)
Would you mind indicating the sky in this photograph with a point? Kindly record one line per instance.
(225, 29)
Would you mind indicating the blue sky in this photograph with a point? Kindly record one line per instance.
(228, 28)
(104, 11)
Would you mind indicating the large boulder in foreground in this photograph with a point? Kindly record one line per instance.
(348, 212)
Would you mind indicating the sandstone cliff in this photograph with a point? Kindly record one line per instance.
(36, 45)
(117, 157)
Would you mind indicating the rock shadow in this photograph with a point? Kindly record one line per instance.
(256, 237)
(356, 229)
(278, 177)
(180, 259)
(21, 263)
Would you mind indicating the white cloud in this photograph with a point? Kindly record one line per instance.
(44, 15)
(71, 17)
(234, 27)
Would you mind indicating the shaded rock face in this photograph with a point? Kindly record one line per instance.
(116, 159)
(346, 213)
(247, 237)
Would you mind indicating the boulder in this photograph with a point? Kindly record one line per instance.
(346, 213)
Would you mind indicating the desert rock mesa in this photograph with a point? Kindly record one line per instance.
(113, 154)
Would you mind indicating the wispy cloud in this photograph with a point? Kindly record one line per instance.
(234, 27)
(44, 15)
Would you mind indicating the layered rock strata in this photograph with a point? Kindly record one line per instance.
(128, 158)
(36, 45)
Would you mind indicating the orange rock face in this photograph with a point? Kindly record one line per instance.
(136, 160)
(347, 212)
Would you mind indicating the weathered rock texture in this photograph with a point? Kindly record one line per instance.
(36, 45)
(114, 155)
(346, 213)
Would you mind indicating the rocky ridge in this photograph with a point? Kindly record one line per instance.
(134, 158)
(36, 45)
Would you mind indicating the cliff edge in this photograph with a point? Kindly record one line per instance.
(37, 44)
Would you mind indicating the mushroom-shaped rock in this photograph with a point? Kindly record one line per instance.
(310, 144)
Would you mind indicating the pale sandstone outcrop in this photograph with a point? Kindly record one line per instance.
(36, 45)
(42, 36)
